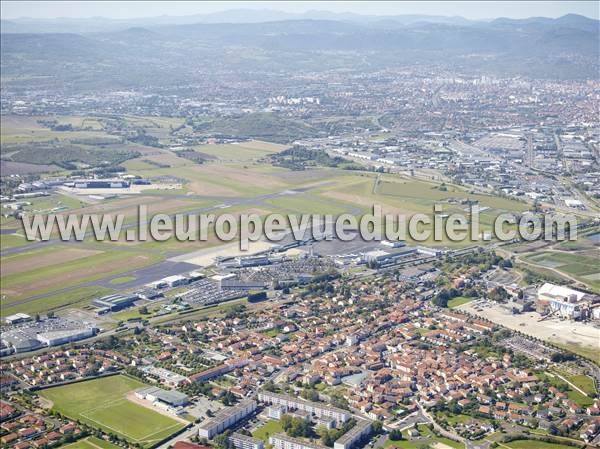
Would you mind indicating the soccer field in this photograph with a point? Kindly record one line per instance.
(102, 403)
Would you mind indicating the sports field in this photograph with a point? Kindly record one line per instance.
(102, 403)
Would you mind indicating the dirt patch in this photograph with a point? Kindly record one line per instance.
(37, 260)
(147, 404)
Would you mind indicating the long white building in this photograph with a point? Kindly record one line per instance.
(292, 403)
(226, 418)
(361, 430)
(281, 441)
(241, 441)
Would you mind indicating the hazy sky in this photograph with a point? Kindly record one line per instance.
(132, 9)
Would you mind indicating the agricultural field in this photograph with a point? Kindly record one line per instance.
(102, 403)
(583, 266)
(236, 152)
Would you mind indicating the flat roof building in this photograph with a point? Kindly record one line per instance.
(17, 318)
(114, 302)
(315, 408)
(169, 397)
(241, 441)
(281, 441)
(60, 337)
(226, 418)
(360, 431)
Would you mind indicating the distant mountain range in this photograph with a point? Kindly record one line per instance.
(566, 47)
(102, 24)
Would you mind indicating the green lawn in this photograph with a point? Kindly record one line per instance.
(426, 438)
(122, 280)
(102, 403)
(90, 443)
(69, 273)
(266, 430)
(534, 444)
(12, 241)
(586, 383)
(243, 151)
(459, 301)
(77, 297)
(574, 395)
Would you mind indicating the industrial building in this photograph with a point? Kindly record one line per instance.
(169, 397)
(226, 418)
(388, 256)
(241, 441)
(114, 302)
(60, 337)
(315, 408)
(252, 261)
(50, 332)
(175, 280)
(17, 318)
(100, 184)
(562, 300)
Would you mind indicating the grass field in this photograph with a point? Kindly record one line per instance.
(90, 443)
(28, 282)
(427, 439)
(122, 280)
(243, 151)
(459, 301)
(266, 430)
(573, 394)
(534, 444)
(12, 241)
(102, 403)
(77, 297)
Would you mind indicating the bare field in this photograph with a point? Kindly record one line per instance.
(551, 330)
